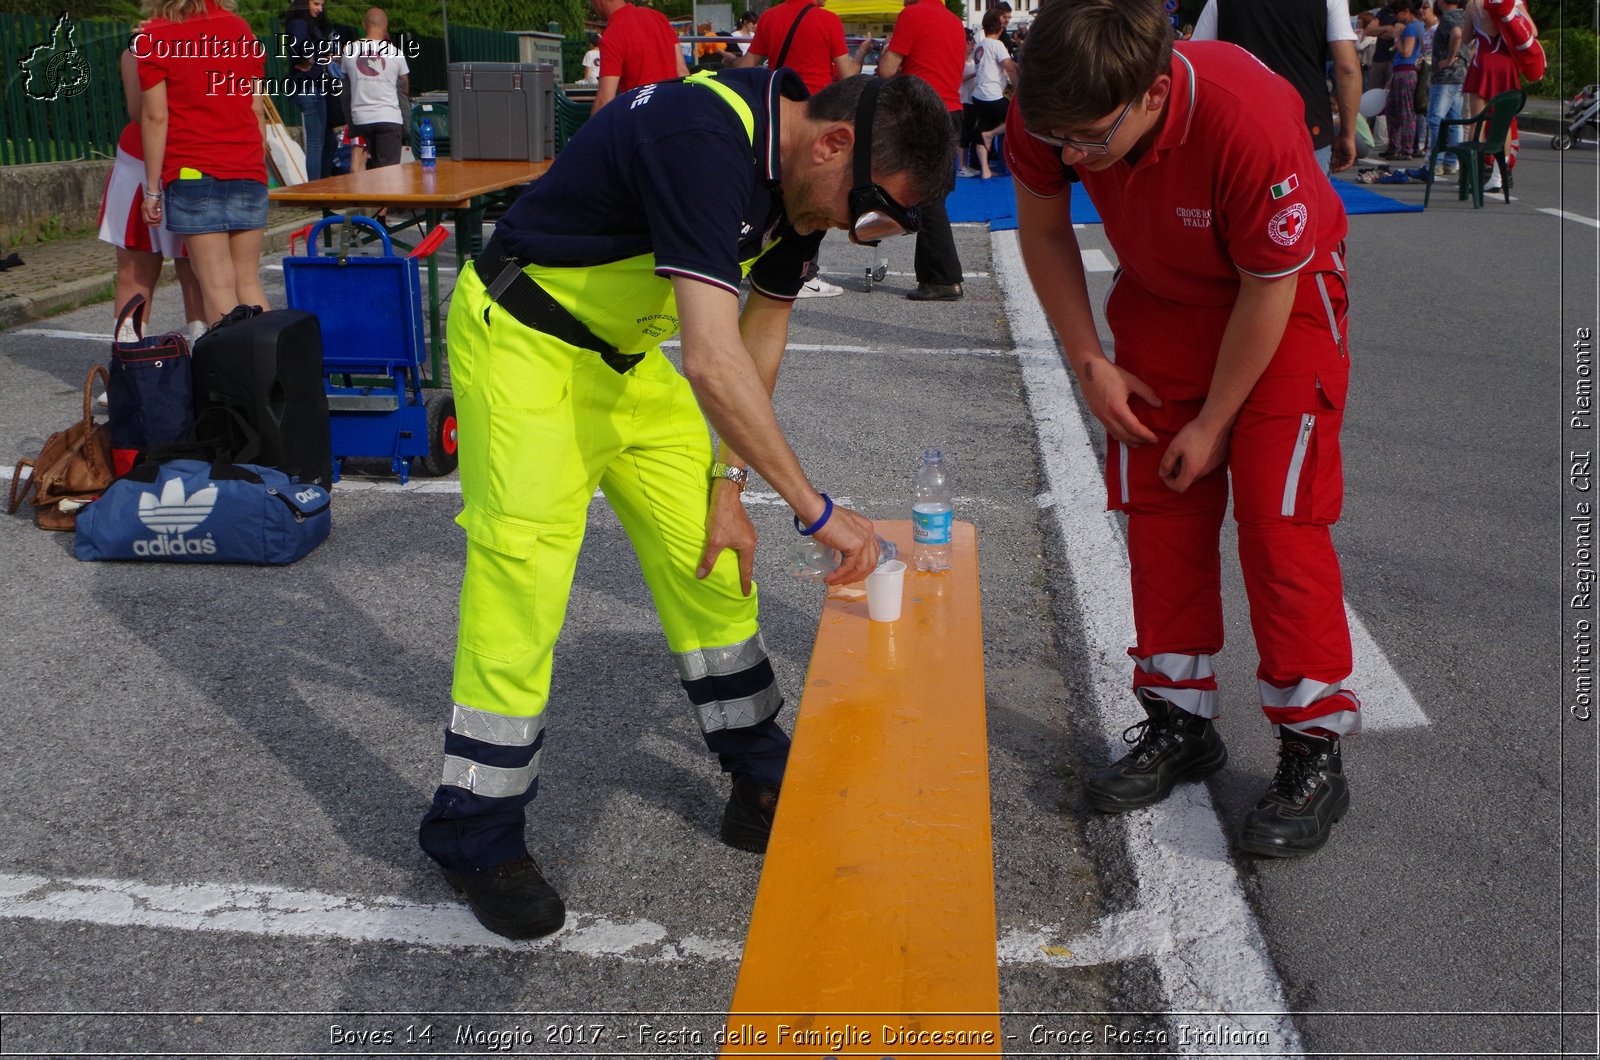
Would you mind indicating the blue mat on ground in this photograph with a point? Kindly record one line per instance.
(993, 201)
(1361, 199)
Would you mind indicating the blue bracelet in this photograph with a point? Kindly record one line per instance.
(827, 510)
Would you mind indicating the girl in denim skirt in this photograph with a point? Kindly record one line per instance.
(203, 129)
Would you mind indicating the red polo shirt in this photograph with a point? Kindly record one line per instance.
(210, 65)
(1230, 185)
(817, 43)
(639, 47)
(932, 43)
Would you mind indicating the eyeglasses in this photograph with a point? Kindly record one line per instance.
(1102, 147)
(874, 215)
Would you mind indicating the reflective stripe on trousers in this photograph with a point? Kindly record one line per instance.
(542, 424)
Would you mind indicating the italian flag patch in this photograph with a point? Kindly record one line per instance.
(1283, 188)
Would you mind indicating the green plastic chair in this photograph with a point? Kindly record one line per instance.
(570, 116)
(1487, 134)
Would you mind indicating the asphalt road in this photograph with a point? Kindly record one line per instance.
(218, 771)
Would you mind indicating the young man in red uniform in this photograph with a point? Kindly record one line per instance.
(1230, 359)
(930, 42)
(637, 48)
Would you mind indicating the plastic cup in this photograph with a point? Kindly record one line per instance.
(884, 589)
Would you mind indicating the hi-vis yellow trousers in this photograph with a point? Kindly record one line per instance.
(542, 425)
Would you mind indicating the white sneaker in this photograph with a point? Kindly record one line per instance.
(817, 287)
(966, 171)
(126, 332)
(1493, 183)
(195, 329)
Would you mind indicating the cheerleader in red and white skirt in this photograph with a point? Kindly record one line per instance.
(1496, 66)
(141, 249)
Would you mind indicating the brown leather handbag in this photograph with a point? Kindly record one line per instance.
(73, 468)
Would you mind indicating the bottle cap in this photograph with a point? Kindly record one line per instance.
(932, 456)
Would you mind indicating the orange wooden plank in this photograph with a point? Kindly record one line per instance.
(452, 184)
(873, 931)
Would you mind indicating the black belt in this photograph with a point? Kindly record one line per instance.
(532, 306)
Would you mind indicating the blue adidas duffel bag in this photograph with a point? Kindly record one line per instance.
(190, 511)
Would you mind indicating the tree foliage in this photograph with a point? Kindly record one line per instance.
(426, 19)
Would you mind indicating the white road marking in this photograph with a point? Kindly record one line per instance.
(964, 275)
(813, 347)
(278, 912)
(758, 498)
(1095, 260)
(1386, 699)
(1208, 950)
(52, 333)
(1566, 216)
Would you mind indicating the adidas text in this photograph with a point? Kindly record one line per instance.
(175, 545)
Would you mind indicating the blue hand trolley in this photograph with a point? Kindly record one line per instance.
(370, 309)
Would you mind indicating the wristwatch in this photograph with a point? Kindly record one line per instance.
(739, 476)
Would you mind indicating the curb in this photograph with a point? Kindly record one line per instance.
(87, 290)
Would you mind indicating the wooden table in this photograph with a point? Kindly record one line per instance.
(460, 188)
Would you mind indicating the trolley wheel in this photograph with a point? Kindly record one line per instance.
(442, 455)
(1562, 141)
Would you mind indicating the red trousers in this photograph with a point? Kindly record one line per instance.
(1288, 488)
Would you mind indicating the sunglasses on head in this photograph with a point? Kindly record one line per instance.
(874, 215)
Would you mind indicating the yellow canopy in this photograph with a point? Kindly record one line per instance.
(866, 10)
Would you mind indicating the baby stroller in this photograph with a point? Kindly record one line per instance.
(1582, 112)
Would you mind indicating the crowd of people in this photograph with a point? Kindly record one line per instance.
(1438, 61)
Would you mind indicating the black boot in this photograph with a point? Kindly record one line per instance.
(747, 819)
(512, 899)
(1171, 745)
(1303, 801)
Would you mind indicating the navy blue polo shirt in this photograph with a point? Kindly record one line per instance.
(667, 169)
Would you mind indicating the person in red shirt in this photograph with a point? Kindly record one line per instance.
(817, 50)
(930, 42)
(141, 248)
(1229, 320)
(202, 125)
(637, 48)
(808, 39)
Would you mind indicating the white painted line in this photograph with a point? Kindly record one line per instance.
(1386, 699)
(1208, 950)
(276, 912)
(811, 347)
(758, 498)
(1095, 260)
(85, 336)
(964, 275)
(1565, 216)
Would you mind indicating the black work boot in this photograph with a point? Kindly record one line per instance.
(512, 899)
(747, 819)
(1305, 798)
(1169, 746)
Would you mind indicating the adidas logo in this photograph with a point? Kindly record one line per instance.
(172, 512)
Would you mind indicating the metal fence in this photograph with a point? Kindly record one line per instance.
(66, 103)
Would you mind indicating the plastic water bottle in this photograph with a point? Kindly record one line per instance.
(811, 561)
(425, 149)
(931, 514)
